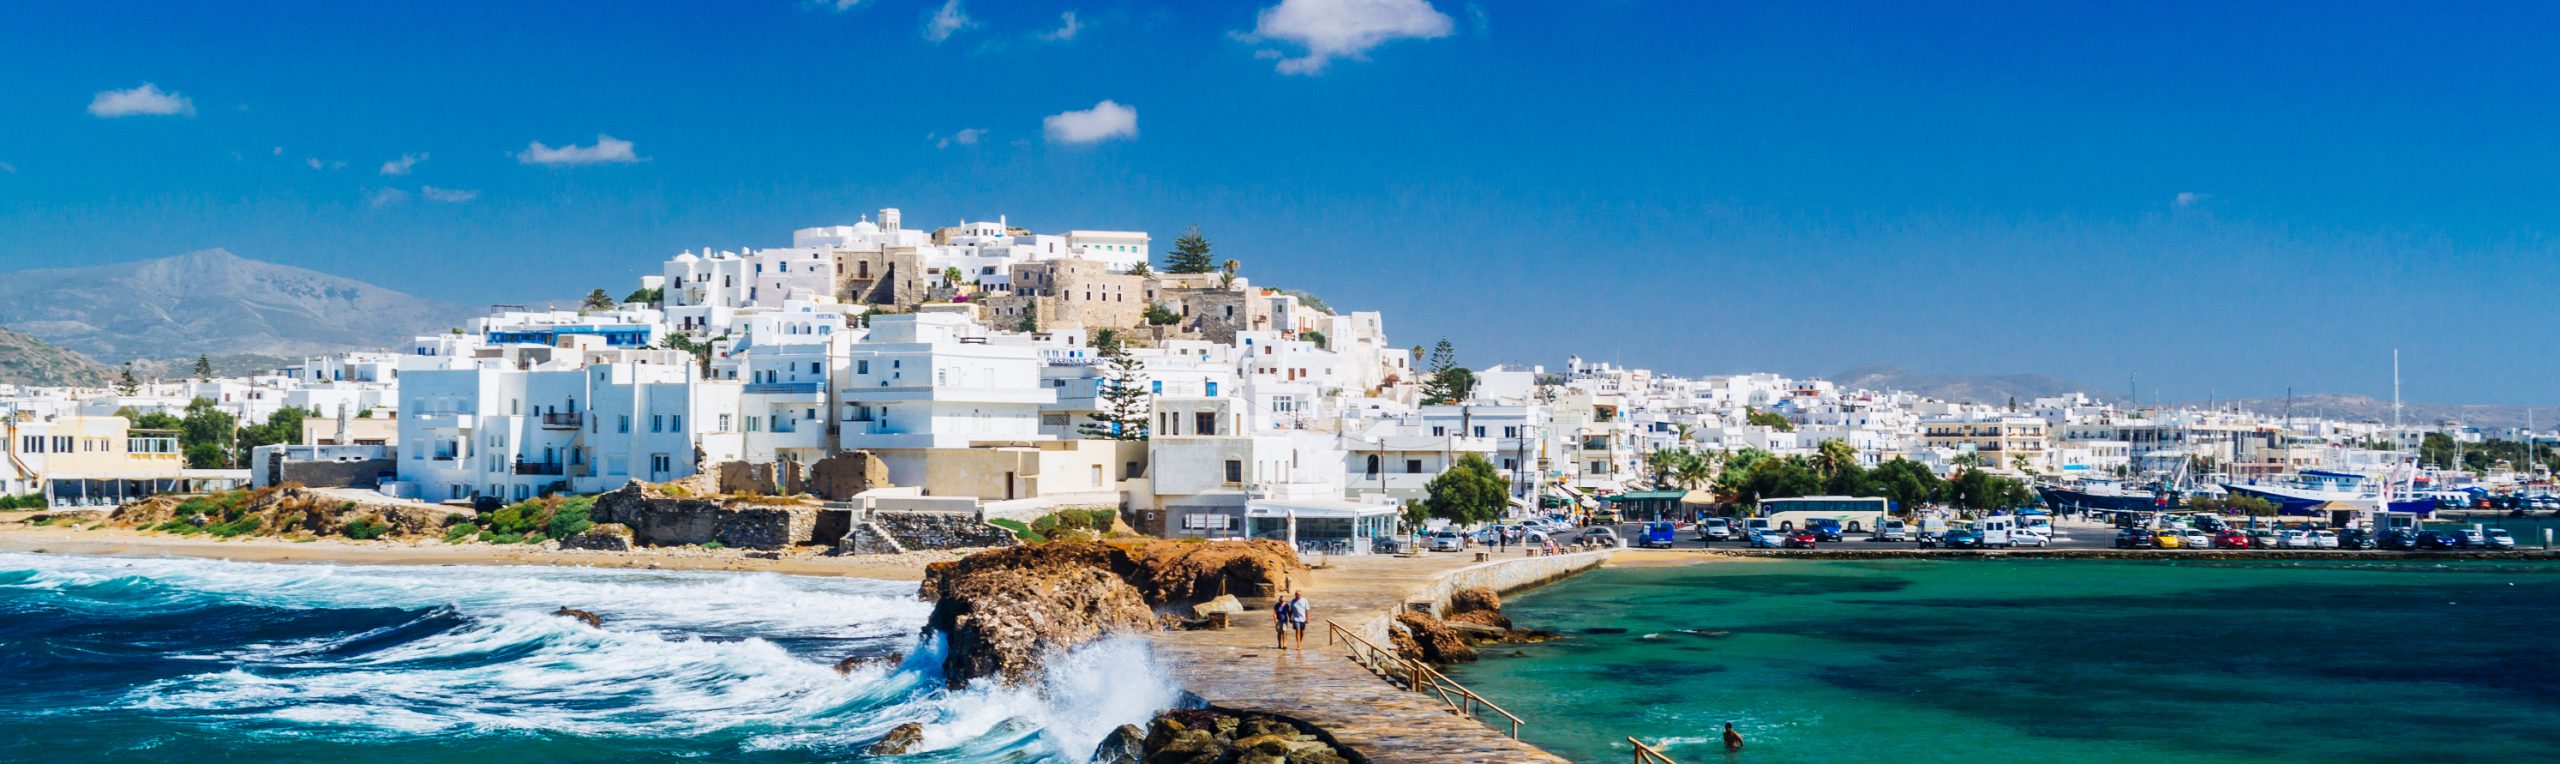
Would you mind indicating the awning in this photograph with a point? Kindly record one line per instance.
(1702, 498)
(1313, 509)
(1645, 496)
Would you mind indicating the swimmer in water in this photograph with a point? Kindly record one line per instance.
(1732, 739)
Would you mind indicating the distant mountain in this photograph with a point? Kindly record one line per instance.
(213, 303)
(25, 360)
(1955, 387)
(2365, 408)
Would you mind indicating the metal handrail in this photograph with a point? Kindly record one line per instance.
(1645, 754)
(1419, 677)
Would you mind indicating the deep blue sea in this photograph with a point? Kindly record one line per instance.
(152, 660)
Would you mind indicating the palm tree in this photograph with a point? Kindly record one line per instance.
(1832, 454)
(1695, 472)
(2025, 466)
(1969, 460)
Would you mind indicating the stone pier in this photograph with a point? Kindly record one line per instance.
(1238, 668)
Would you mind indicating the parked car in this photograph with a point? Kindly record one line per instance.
(2266, 538)
(1800, 538)
(2472, 538)
(1598, 536)
(2033, 538)
(1961, 538)
(1715, 529)
(1889, 529)
(2134, 538)
(2497, 538)
(2440, 540)
(1767, 538)
(1659, 534)
(2402, 539)
(1446, 541)
(2320, 539)
(2356, 538)
(2196, 539)
(1824, 529)
(2168, 539)
(2293, 540)
(2231, 539)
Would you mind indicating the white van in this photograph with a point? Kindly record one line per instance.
(1996, 530)
(1889, 529)
(1754, 525)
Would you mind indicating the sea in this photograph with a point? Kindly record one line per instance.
(156, 660)
(1988, 661)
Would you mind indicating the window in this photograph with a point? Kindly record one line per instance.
(675, 423)
(1213, 389)
(1235, 471)
(1373, 465)
(657, 423)
(1511, 432)
(1204, 423)
(1206, 522)
(755, 424)
(660, 464)
(862, 367)
(724, 422)
(622, 423)
(1479, 431)
(1413, 466)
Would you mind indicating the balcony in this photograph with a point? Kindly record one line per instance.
(445, 420)
(781, 388)
(541, 468)
(563, 420)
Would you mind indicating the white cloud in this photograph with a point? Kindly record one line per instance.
(316, 164)
(384, 197)
(1105, 121)
(447, 195)
(1344, 28)
(2187, 199)
(401, 166)
(1067, 28)
(148, 100)
(965, 137)
(947, 22)
(608, 150)
(278, 152)
(8, 168)
(838, 6)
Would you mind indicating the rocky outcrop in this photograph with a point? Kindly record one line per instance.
(602, 537)
(900, 740)
(1193, 571)
(850, 663)
(659, 519)
(1003, 612)
(581, 616)
(286, 509)
(1433, 642)
(1216, 735)
(1477, 605)
(1126, 745)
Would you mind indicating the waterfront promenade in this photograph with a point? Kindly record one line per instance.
(1237, 667)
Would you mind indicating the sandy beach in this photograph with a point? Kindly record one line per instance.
(17, 536)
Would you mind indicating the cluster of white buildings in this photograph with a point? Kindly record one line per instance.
(929, 350)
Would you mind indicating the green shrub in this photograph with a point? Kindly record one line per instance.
(235, 527)
(365, 529)
(42, 521)
(460, 532)
(714, 544)
(1020, 531)
(570, 518)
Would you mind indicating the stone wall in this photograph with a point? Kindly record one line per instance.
(674, 521)
(362, 474)
(912, 531)
(846, 474)
(895, 277)
(1502, 576)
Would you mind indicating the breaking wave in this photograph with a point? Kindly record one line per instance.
(161, 657)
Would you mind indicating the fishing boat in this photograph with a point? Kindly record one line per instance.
(2315, 488)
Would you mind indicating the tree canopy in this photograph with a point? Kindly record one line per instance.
(1472, 491)
(1190, 254)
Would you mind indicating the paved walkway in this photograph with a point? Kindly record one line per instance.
(1238, 668)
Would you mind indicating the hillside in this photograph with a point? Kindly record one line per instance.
(213, 303)
(25, 360)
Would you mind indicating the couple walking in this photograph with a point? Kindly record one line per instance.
(1290, 614)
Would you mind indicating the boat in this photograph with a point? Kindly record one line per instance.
(2107, 496)
(2314, 488)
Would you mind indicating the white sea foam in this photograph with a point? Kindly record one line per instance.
(682, 655)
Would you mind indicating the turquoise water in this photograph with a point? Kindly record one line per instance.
(2044, 660)
(120, 660)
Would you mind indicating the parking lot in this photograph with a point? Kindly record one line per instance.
(2071, 535)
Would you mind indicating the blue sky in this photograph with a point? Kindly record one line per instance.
(2225, 200)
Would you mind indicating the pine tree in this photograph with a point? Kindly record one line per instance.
(204, 369)
(1190, 254)
(1123, 406)
(1436, 381)
(126, 383)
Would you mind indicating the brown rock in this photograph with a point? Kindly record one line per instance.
(1126, 745)
(899, 740)
(850, 663)
(589, 618)
(1004, 611)
(608, 537)
(1434, 640)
